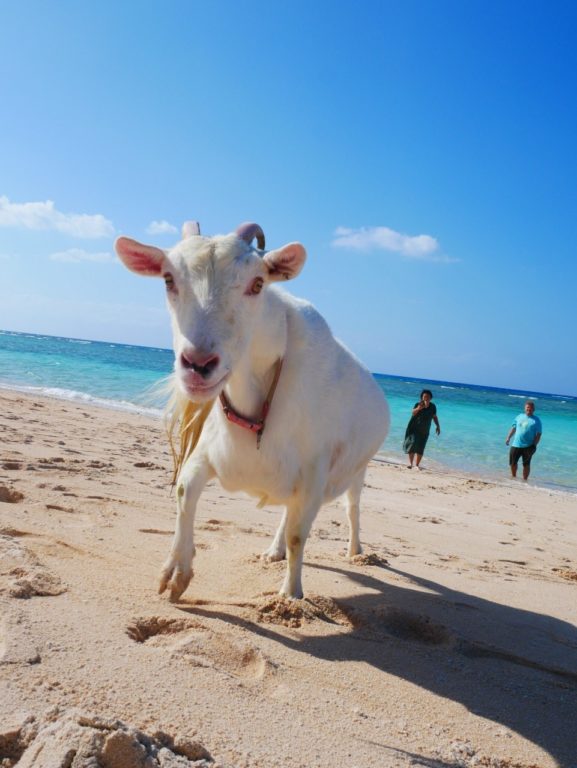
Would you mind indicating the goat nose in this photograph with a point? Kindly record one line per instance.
(200, 362)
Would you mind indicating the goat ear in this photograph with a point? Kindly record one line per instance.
(143, 259)
(286, 262)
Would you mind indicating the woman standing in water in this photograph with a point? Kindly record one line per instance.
(418, 428)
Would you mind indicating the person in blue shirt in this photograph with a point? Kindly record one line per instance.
(527, 429)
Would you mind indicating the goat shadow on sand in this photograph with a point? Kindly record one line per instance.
(511, 666)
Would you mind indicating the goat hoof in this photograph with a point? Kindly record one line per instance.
(177, 580)
(273, 556)
(288, 595)
(175, 594)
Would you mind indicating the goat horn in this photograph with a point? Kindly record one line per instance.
(189, 229)
(248, 231)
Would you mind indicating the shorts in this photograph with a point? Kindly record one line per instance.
(526, 454)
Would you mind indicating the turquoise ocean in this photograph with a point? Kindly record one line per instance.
(474, 418)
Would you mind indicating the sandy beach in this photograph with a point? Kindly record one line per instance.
(451, 641)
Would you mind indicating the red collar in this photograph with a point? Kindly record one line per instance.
(254, 425)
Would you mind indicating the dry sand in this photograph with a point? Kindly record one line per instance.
(450, 642)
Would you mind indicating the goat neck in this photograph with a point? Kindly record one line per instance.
(250, 382)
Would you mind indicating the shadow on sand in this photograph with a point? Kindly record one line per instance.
(514, 667)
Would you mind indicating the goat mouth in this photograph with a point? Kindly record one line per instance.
(201, 389)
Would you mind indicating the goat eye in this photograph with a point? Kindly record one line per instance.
(169, 282)
(255, 287)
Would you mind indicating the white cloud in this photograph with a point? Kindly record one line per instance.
(423, 247)
(77, 255)
(46, 216)
(161, 228)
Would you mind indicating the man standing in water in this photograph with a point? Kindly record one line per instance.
(527, 430)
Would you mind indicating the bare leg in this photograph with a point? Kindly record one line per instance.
(177, 570)
(526, 471)
(353, 511)
(411, 459)
(418, 457)
(513, 470)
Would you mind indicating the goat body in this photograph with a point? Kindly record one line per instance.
(230, 328)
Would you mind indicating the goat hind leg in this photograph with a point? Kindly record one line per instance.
(353, 496)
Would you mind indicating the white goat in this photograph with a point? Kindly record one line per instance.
(237, 338)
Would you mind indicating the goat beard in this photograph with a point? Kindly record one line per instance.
(187, 420)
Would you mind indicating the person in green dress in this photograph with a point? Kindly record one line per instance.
(418, 428)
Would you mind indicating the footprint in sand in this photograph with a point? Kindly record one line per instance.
(216, 652)
(199, 646)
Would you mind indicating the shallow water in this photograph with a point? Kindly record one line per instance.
(474, 423)
(474, 419)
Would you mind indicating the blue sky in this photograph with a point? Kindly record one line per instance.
(425, 153)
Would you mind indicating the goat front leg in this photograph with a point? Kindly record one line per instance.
(177, 570)
(299, 519)
(277, 549)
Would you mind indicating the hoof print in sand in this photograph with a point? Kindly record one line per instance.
(10, 495)
(295, 613)
(72, 739)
